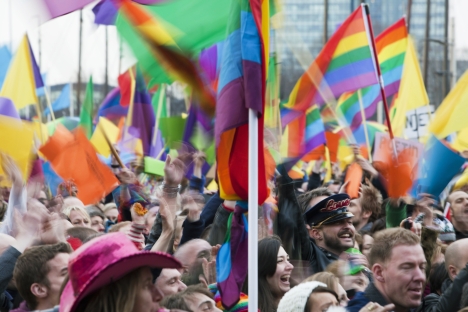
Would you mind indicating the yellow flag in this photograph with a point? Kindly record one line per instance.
(17, 142)
(461, 141)
(452, 114)
(19, 85)
(412, 93)
(99, 141)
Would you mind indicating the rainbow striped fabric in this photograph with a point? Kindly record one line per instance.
(391, 49)
(302, 136)
(344, 64)
(241, 88)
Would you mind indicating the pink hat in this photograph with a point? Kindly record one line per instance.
(104, 260)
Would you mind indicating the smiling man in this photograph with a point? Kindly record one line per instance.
(330, 228)
(398, 266)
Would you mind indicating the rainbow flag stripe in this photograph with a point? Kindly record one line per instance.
(391, 48)
(344, 64)
(301, 136)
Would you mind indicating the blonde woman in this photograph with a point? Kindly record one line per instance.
(78, 216)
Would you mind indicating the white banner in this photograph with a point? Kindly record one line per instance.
(417, 121)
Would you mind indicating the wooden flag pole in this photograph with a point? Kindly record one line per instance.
(113, 151)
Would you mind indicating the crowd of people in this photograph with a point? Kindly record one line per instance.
(140, 250)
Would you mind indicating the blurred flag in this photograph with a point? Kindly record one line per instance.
(62, 102)
(87, 110)
(23, 77)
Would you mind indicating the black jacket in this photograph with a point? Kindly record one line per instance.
(450, 299)
(7, 264)
(293, 232)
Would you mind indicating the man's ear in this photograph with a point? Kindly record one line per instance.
(378, 272)
(316, 233)
(39, 290)
(452, 271)
(366, 214)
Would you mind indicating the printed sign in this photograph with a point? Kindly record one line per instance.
(382, 138)
(417, 121)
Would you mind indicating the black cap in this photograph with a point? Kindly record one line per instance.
(330, 210)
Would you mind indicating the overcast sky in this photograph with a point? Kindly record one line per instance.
(59, 40)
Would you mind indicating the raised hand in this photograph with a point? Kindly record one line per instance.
(126, 176)
(11, 169)
(174, 172)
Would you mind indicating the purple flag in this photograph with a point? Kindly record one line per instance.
(61, 7)
(143, 118)
(105, 12)
(36, 71)
(7, 108)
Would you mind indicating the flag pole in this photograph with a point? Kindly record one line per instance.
(364, 123)
(46, 93)
(158, 114)
(253, 211)
(370, 35)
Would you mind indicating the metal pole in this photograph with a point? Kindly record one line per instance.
(325, 21)
(453, 61)
(78, 83)
(253, 211)
(426, 42)
(408, 15)
(10, 7)
(446, 68)
(106, 78)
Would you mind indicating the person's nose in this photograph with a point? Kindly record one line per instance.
(182, 286)
(157, 294)
(420, 275)
(289, 266)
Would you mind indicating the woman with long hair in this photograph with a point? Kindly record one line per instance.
(274, 273)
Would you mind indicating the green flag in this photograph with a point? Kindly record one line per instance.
(194, 25)
(87, 110)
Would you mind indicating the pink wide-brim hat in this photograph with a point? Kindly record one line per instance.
(103, 261)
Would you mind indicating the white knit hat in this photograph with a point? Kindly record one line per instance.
(296, 298)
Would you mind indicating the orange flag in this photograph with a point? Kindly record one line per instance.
(73, 158)
(399, 172)
(353, 177)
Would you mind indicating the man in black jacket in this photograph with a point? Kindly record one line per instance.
(330, 230)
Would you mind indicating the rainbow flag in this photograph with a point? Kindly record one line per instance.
(391, 49)
(328, 118)
(241, 88)
(301, 136)
(344, 64)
